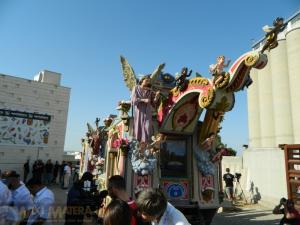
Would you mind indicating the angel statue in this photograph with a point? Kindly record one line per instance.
(271, 34)
(95, 139)
(143, 99)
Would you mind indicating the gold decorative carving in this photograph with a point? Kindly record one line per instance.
(251, 59)
(175, 91)
(198, 81)
(223, 83)
(205, 99)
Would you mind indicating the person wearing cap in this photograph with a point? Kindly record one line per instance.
(21, 198)
(43, 201)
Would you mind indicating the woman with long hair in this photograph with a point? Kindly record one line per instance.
(117, 213)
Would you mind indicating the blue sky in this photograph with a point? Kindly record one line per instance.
(83, 39)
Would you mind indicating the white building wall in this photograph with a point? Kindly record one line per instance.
(281, 95)
(34, 96)
(253, 111)
(293, 53)
(266, 169)
(266, 106)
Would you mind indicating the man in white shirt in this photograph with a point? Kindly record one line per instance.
(7, 214)
(43, 201)
(67, 175)
(153, 206)
(21, 198)
(5, 194)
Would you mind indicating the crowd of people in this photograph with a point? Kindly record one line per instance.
(24, 204)
(31, 202)
(49, 173)
(150, 207)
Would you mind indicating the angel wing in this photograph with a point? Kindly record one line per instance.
(128, 74)
(156, 73)
(267, 28)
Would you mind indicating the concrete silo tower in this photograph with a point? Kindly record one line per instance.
(274, 113)
(274, 96)
(293, 55)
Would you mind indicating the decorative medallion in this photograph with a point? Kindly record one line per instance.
(141, 182)
(207, 191)
(176, 190)
(185, 114)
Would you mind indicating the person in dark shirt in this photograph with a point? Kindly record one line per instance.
(49, 169)
(61, 173)
(26, 171)
(291, 215)
(83, 199)
(35, 169)
(40, 169)
(55, 172)
(228, 178)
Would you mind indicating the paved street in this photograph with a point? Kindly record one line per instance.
(250, 215)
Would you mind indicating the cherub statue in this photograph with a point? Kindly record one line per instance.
(271, 34)
(143, 161)
(205, 154)
(217, 69)
(156, 143)
(180, 81)
(143, 99)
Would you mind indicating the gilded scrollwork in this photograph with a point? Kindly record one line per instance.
(175, 92)
(198, 81)
(251, 59)
(206, 98)
(223, 83)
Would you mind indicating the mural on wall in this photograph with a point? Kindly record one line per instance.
(23, 128)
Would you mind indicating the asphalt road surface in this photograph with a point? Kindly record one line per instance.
(253, 215)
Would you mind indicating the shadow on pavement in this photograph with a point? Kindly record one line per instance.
(247, 217)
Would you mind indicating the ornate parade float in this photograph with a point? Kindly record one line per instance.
(158, 139)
